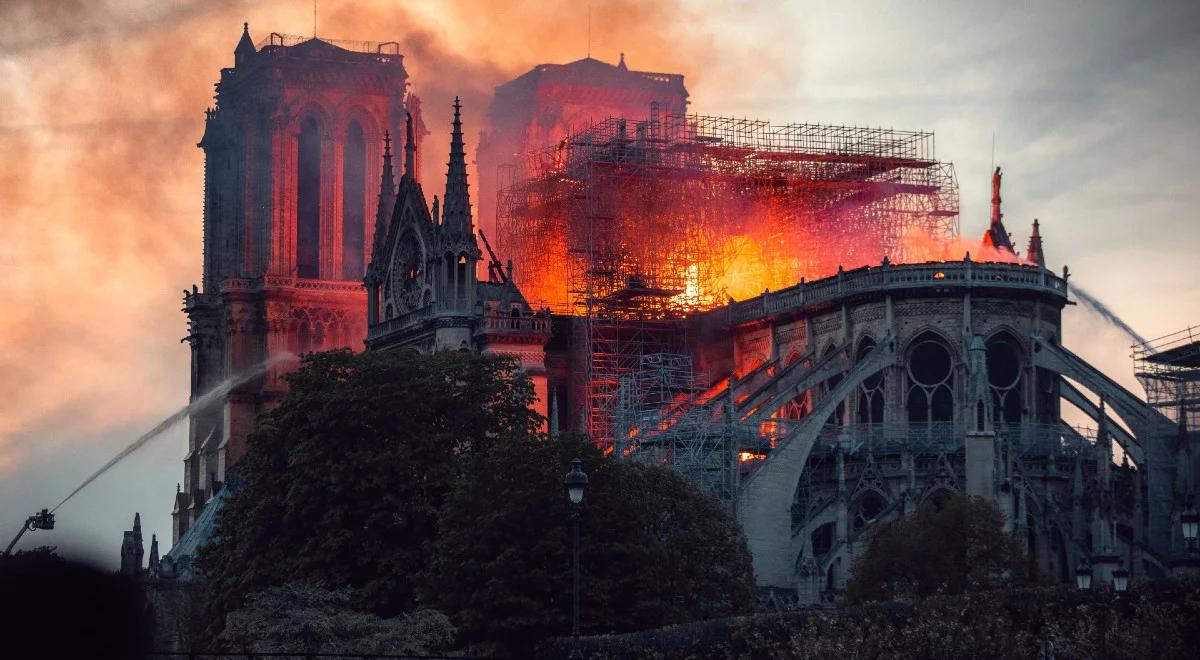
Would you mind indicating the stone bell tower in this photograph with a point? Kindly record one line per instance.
(293, 155)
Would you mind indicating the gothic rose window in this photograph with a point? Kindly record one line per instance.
(407, 276)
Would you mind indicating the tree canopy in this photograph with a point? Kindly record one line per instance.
(949, 547)
(654, 550)
(342, 483)
(423, 481)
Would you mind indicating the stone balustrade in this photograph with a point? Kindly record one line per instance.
(964, 274)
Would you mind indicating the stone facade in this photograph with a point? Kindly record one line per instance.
(422, 288)
(292, 151)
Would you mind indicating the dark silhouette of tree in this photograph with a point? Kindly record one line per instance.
(950, 547)
(342, 484)
(654, 550)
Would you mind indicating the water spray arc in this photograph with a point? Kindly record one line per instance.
(1107, 314)
(215, 394)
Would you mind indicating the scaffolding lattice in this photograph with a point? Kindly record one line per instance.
(1169, 370)
(660, 418)
(634, 225)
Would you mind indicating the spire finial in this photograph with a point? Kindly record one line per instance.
(387, 144)
(456, 203)
(1035, 252)
(621, 64)
(410, 148)
(246, 27)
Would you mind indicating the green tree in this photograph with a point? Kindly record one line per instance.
(342, 484)
(951, 547)
(654, 550)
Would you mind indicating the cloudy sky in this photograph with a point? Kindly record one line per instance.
(1092, 105)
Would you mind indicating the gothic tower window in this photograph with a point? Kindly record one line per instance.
(870, 395)
(930, 395)
(460, 279)
(1004, 378)
(308, 201)
(354, 202)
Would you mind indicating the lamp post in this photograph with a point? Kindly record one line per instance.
(576, 483)
(1120, 580)
(1189, 520)
(1083, 576)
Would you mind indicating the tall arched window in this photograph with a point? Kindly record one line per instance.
(308, 201)
(930, 381)
(1004, 378)
(838, 416)
(870, 395)
(354, 202)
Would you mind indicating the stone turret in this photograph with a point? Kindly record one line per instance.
(457, 247)
(153, 563)
(132, 549)
(1034, 253)
(981, 436)
(456, 204)
(383, 213)
(245, 48)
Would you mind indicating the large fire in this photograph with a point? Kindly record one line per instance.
(689, 212)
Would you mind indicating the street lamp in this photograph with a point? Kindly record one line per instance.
(1120, 580)
(1189, 520)
(576, 483)
(1083, 576)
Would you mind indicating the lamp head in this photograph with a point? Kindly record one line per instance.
(576, 482)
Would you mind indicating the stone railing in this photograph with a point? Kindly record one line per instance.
(398, 322)
(887, 277)
(493, 323)
(1027, 439)
(283, 282)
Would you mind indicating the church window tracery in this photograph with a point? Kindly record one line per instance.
(1004, 378)
(930, 396)
(870, 395)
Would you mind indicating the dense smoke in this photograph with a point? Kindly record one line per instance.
(101, 180)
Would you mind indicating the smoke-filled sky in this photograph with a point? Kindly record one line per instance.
(1092, 104)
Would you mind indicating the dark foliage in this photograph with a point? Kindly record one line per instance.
(1152, 620)
(654, 550)
(342, 484)
(53, 608)
(948, 547)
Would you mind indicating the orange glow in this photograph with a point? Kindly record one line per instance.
(745, 456)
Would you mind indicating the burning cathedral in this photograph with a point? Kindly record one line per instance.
(786, 314)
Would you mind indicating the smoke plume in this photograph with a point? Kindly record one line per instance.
(101, 180)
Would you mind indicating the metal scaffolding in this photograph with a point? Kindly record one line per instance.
(663, 416)
(1169, 369)
(633, 225)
